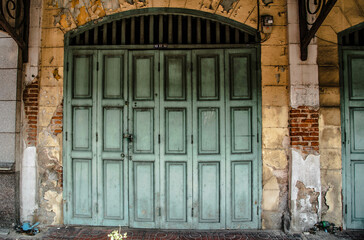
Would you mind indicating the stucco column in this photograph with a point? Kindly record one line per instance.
(305, 185)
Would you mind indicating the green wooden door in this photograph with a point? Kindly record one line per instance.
(144, 193)
(353, 136)
(162, 139)
(96, 114)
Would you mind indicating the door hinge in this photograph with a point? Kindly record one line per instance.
(97, 208)
(67, 66)
(344, 136)
(159, 212)
(66, 136)
(257, 210)
(159, 139)
(192, 139)
(191, 67)
(192, 212)
(257, 136)
(130, 158)
(97, 137)
(159, 67)
(346, 208)
(66, 206)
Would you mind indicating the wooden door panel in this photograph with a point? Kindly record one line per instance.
(144, 192)
(358, 190)
(209, 131)
(175, 139)
(144, 164)
(242, 158)
(82, 188)
(175, 77)
(176, 192)
(113, 129)
(240, 79)
(113, 80)
(241, 198)
(241, 130)
(112, 115)
(82, 120)
(208, 76)
(143, 131)
(356, 77)
(82, 76)
(143, 77)
(209, 192)
(113, 173)
(175, 131)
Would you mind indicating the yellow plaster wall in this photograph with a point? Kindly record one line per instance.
(61, 16)
(345, 14)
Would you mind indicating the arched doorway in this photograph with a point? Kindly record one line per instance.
(162, 122)
(352, 108)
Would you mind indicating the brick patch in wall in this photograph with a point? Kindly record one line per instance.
(30, 100)
(56, 123)
(304, 129)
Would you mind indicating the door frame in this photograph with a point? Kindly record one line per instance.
(256, 47)
(344, 125)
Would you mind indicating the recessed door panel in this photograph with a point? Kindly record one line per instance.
(175, 78)
(357, 133)
(143, 76)
(208, 77)
(144, 191)
(209, 131)
(239, 77)
(356, 77)
(176, 131)
(240, 130)
(241, 191)
(113, 189)
(143, 131)
(82, 128)
(113, 76)
(82, 188)
(82, 76)
(209, 192)
(113, 129)
(176, 191)
(358, 191)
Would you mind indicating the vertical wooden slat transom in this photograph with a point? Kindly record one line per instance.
(162, 29)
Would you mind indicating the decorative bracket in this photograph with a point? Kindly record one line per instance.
(321, 9)
(14, 19)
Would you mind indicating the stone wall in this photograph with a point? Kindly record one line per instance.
(345, 14)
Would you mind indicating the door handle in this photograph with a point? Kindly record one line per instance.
(122, 156)
(129, 137)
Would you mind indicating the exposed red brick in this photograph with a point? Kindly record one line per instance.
(56, 123)
(304, 131)
(30, 100)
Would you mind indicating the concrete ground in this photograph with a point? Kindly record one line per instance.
(84, 232)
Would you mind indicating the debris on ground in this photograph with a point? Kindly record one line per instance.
(326, 227)
(27, 228)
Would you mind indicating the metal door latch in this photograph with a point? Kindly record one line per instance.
(129, 137)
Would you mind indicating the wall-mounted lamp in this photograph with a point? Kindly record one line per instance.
(267, 2)
(267, 23)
